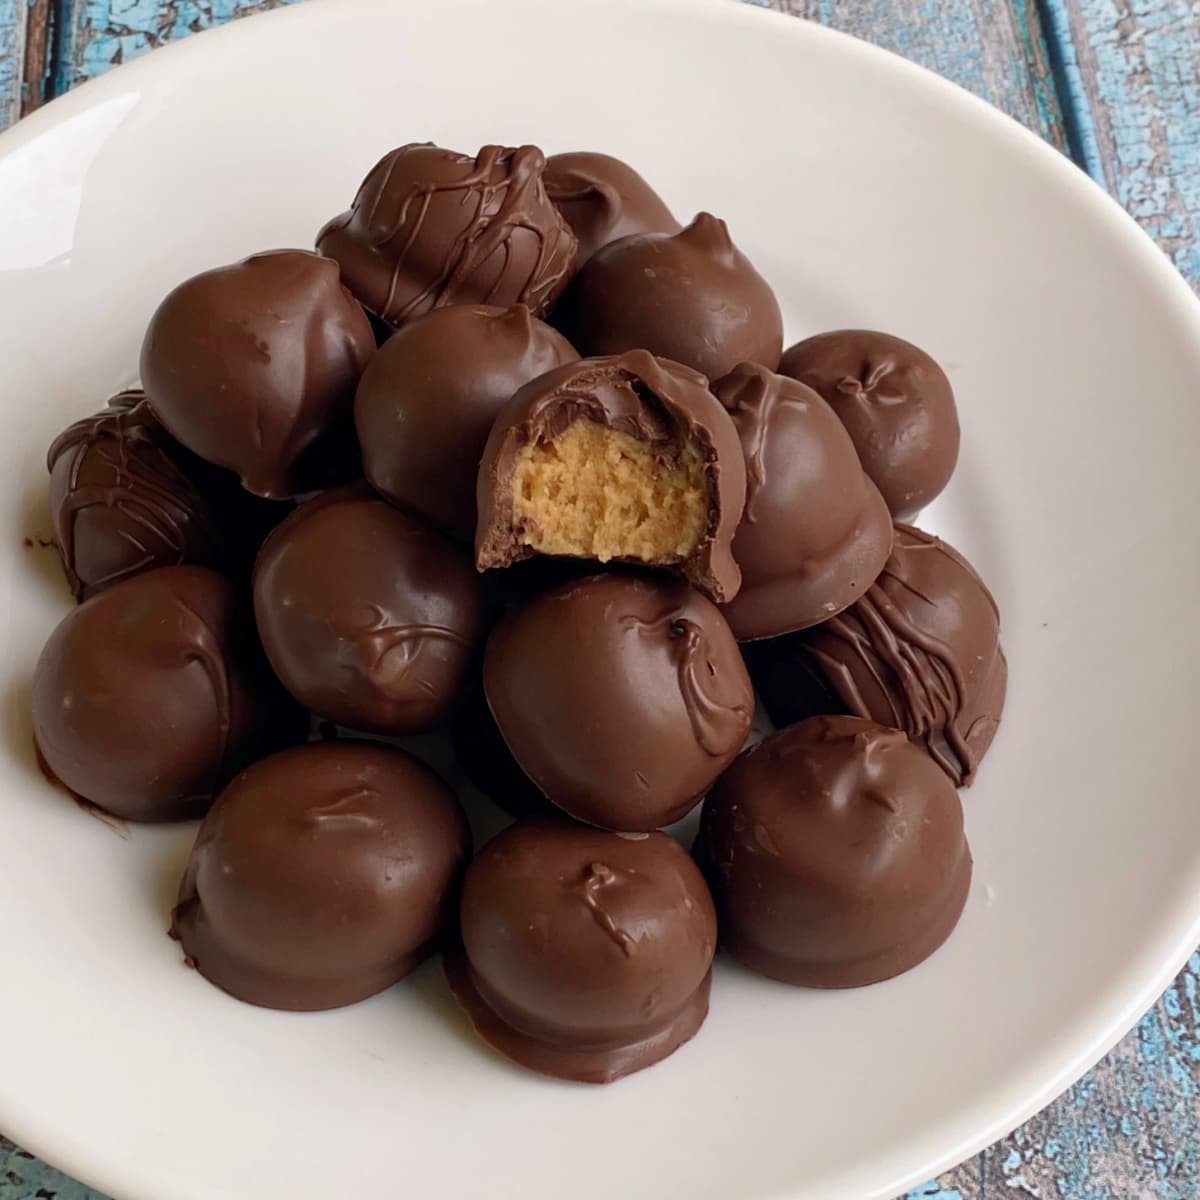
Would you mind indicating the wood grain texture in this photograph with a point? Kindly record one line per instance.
(12, 59)
(994, 48)
(1138, 82)
(100, 34)
(1115, 82)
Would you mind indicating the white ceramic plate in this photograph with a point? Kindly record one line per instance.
(871, 194)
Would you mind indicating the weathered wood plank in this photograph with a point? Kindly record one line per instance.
(1138, 80)
(993, 48)
(12, 59)
(100, 34)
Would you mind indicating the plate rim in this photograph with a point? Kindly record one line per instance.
(124, 1180)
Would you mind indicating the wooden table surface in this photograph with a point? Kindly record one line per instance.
(1116, 85)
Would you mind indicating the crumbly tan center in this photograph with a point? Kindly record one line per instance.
(597, 493)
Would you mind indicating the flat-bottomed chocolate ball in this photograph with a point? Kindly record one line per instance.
(431, 227)
(150, 695)
(427, 401)
(920, 652)
(120, 502)
(628, 458)
(370, 618)
(253, 367)
(321, 876)
(691, 296)
(604, 199)
(896, 403)
(815, 531)
(623, 698)
(586, 954)
(836, 854)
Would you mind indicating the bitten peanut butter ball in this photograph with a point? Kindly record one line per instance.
(623, 459)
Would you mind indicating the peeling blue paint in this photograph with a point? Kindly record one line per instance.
(12, 24)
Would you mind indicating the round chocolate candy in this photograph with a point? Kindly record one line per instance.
(604, 199)
(120, 502)
(628, 458)
(150, 695)
(920, 652)
(836, 854)
(896, 403)
(691, 296)
(427, 401)
(623, 698)
(430, 227)
(485, 759)
(369, 618)
(321, 876)
(586, 954)
(253, 367)
(815, 532)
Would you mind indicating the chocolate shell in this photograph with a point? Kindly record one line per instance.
(836, 854)
(427, 401)
(321, 876)
(149, 696)
(629, 458)
(586, 954)
(691, 296)
(815, 532)
(895, 402)
(604, 199)
(430, 227)
(120, 502)
(253, 367)
(622, 697)
(919, 652)
(370, 618)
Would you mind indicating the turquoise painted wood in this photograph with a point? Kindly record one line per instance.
(12, 58)
(1116, 83)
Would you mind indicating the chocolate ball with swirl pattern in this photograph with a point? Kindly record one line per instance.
(919, 652)
(622, 697)
(431, 227)
(585, 954)
(120, 502)
(815, 531)
(370, 618)
(149, 696)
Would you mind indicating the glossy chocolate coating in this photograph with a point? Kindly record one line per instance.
(692, 296)
(427, 401)
(120, 502)
(920, 652)
(586, 954)
(655, 401)
(321, 876)
(836, 854)
(484, 758)
(604, 199)
(253, 367)
(430, 227)
(149, 696)
(622, 697)
(896, 403)
(370, 618)
(815, 532)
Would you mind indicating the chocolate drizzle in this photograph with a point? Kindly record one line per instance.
(430, 227)
(919, 652)
(720, 728)
(596, 878)
(120, 502)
